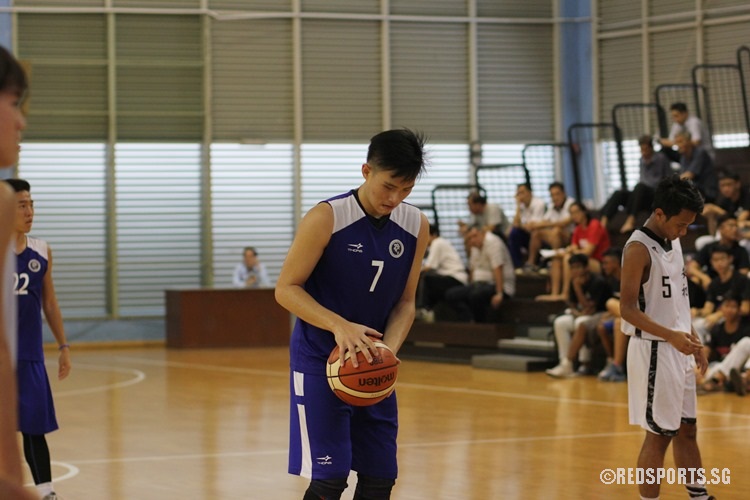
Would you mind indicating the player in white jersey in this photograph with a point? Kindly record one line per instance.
(656, 313)
(350, 277)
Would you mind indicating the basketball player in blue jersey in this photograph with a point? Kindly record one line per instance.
(656, 314)
(13, 85)
(36, 293)
(350, 277)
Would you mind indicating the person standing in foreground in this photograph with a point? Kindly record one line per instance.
(350, 277)
(655, 312)
(36, 293)
(13, 85)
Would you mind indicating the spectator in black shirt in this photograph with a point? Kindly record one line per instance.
(700, 268)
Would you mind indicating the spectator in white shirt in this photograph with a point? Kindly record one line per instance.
(250, 273)
(442, 270)
(554, 229)
(529, 210)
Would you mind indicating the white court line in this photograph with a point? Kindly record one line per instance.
(138, 377)
(437, 388)
(433, 444)
(72, 472)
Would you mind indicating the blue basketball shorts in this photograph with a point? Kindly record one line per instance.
(36, 410)
(328, 438)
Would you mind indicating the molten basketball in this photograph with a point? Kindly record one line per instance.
(368, 383)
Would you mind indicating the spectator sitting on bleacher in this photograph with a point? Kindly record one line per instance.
(700, 267)
(727, 351)
(727, 281)
(553, 231)
(683, 122)
(492, 279)
(588, 295)
(615, 344)
(733, 199)
(442, 270)
(486, 215)
(585, 338)
(696, 164)
(589, 238)
(529, 209)
(654, 166)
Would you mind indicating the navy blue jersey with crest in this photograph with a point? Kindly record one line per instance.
(31, 266)
(361, 275)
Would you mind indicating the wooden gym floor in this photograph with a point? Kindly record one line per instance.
(151, 423)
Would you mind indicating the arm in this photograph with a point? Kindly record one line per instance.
(636, 266)
(237, 279)
(54, 319)
(497, 299)
(313, 235)
(402, 315)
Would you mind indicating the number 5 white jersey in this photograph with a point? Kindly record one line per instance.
(664, 296)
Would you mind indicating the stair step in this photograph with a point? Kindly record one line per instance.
(527, 343)
(511, 362)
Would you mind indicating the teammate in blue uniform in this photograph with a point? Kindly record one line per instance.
(350, 277)
(36, 293)
(13, 85)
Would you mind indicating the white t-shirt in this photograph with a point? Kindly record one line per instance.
(484, 260)
(697, 130)
(534, 212)
(444, 260)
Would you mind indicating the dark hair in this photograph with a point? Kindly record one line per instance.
(579, 258)
(400, 151)
(583, 208)
(434, 230)
(557, 184)
(721, 249)
(725, 217)
(250, 249)
(646, 140)
(18, 185)
(12, 76)
(527, 185)
(733, 296)
(674, 195)
(727, 173)
(615, 252)
(678, 106)
(475, 197)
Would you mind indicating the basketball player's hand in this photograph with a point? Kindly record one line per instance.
(357, 338)
(63, 369)
(686, 343)
(496, 300)
(701, 362)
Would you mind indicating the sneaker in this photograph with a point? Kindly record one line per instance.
(584, 371)
(612, 373)
(563, 370)
(738, 384)
(429, 316)
(602, 375)
(52, 496)
(527, 270)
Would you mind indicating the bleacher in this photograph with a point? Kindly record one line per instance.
(717, 95)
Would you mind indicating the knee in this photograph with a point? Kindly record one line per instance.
(325, 488)
(373, 488)
(688, 431)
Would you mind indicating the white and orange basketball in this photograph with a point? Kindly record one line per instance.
(368, 383)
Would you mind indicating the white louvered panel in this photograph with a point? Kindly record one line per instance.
(252, 80)
(515, 86)
(58, 3)
(515, 8)
(429, 7)
(158, 223)
(430, 79)
(722, 42)
(159, 77)
(672, 57)
(250, 5)
(341, 80)
(617, 12)
(671, 7)
(158, 4)
(251, 190)
(341, 6)
(68, 84)
(621, 73)
(68, 188)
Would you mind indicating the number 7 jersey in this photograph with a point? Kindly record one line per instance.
(361, 275)
(31, 266)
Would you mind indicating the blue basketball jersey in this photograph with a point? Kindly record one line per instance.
(361, 275)
(31, 266)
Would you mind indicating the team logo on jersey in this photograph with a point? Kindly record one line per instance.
(355, 247)
(396, 248)
(326, 460)
(35, 266)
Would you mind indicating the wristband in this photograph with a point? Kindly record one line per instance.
(63, 346)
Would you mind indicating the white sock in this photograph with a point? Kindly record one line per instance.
(44, 489)
(649, 498)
